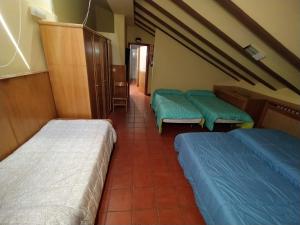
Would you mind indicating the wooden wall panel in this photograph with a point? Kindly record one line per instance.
(254, 103)
(26, 104)
(236, 100)
(251, 94)
(281, 117)
(8, 141)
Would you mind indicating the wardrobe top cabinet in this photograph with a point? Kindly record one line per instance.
(72, 64)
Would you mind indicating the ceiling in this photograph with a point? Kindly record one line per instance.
(124, 7)
(216, 34)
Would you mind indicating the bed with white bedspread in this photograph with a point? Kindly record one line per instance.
(57, 176)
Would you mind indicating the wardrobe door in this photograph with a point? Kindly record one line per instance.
(106, 82)
(102, 72)
(89, 55)
(98, 65)
(109, 72)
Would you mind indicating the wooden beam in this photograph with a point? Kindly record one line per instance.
(144, 29)
(145, 25)
(208, 43)
(264, 35)
(192, 50)
(193, 44)
(185, 7)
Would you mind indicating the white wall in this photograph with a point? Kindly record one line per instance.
(30, 44)
(177, 67)
(117, 40)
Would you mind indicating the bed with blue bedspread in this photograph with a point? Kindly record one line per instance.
(216, 110)
(171, 106)
(245, 176)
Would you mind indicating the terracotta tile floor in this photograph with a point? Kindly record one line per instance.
(145, 184)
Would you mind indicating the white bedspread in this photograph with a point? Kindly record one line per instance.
(57, 176)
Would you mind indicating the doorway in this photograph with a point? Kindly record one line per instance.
(139, 66)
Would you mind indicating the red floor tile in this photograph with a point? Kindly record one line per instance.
(104, 201)
(120, 200)
(166, 197)
(145, 183)
(142, 166)
(121, 165)
(170, 216)
(142, 179)
(143, 198)
(185, 197)
(118, 218)
(163, 178)
(121, 180)
(100, 220)
(145, 217)
(192, 216)
(180, 179)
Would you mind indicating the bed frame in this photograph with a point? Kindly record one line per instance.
(281, 117)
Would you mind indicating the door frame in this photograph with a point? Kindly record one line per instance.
(147, 63)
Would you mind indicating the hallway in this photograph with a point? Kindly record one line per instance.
(145, 183)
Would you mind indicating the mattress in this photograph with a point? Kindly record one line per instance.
(172, 106)
(58, 175)
(232, 185)
(216, 110)
(198, 121)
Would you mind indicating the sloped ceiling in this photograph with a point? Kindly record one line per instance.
(209, 29)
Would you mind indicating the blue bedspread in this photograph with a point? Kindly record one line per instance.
(279, 149)
(172, 104)
(213, 108)
(233, 185)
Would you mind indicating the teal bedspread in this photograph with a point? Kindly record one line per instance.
(213, 108)
(172, 104)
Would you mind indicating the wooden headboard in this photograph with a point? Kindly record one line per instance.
(26, 104)
(281, 117)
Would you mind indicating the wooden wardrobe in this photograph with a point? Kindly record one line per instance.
(79, 64)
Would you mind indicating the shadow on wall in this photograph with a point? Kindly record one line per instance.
(101, 17)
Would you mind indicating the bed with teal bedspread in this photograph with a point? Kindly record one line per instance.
(213, 108)
(172, 104)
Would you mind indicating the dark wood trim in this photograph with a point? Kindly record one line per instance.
(192, 43)
(144, 25)
(289, 118)
(264, 35)
(192, 50)
(147, 70)
(143, 28)
(255, 95)
(137, 43)
(208, 43)
(285, 110)
(185, 7)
